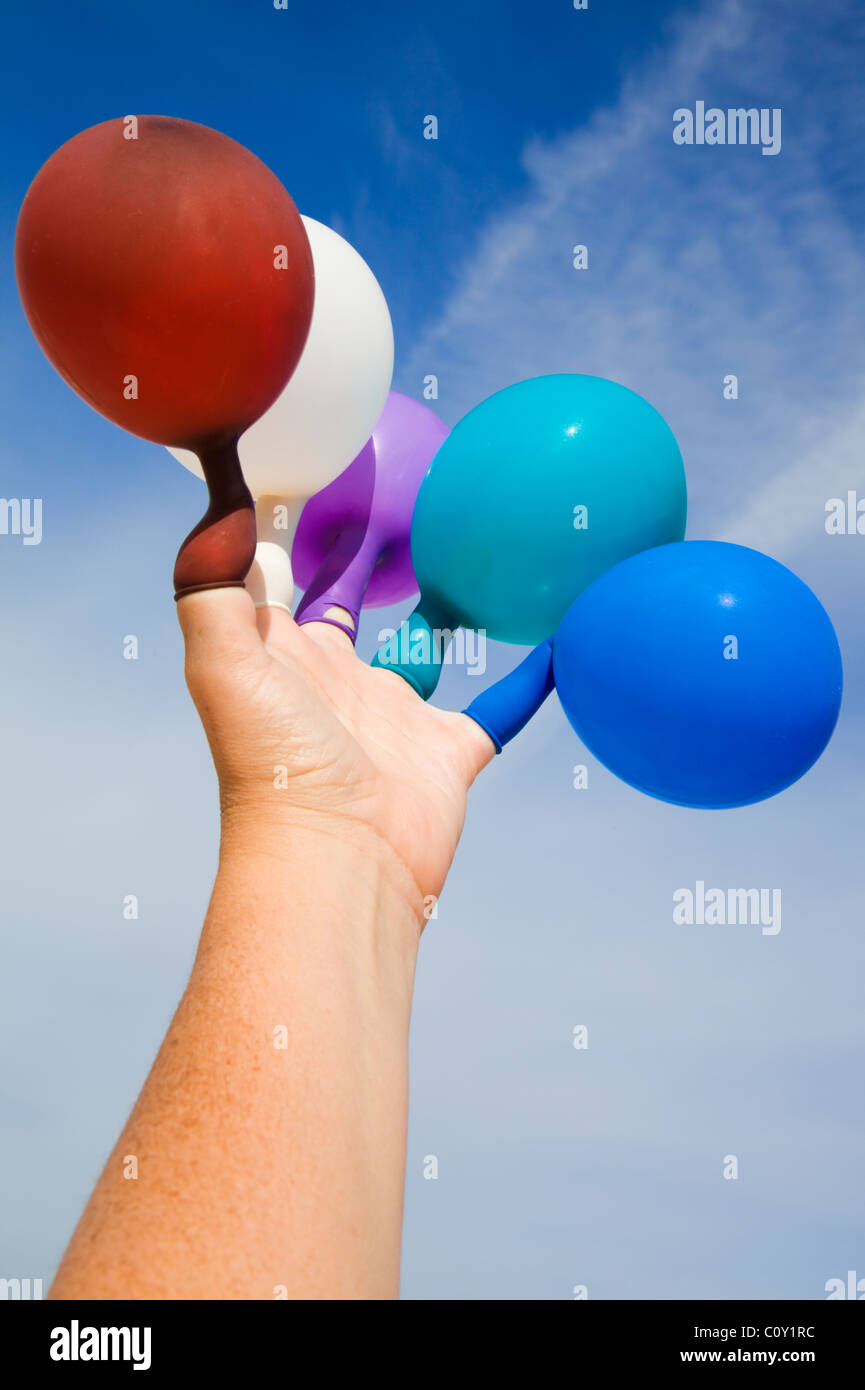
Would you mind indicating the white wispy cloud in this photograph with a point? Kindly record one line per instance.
(703, 261)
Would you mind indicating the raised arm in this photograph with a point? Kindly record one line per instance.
(268, 1142)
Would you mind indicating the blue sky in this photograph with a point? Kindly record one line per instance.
(556, 1167)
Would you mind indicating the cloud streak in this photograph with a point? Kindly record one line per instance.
(703, 261)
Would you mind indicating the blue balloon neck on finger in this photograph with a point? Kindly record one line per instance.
(417, 649)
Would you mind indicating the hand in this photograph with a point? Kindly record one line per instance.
(305, 734)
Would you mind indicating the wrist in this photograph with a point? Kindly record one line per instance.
(322, 863)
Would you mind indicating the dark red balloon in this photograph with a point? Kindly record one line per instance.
(167, 275)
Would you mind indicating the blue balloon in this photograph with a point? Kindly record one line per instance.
(702, 673)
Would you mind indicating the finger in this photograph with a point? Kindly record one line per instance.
(479, 747)
(276, 627)
(332, 626)
(218, 625)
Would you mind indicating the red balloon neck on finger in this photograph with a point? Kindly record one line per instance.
(220, 550)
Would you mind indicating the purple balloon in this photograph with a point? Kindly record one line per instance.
(352, 546)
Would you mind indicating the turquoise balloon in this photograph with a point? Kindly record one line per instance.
(534, 494)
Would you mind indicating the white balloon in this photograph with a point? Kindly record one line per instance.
(327, 411)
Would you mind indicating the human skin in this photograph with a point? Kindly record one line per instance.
(270, 1135)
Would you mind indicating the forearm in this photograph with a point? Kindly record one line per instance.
(270, 1135)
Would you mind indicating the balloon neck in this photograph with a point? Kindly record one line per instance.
(508, 705)
(219, 551)
(418, 648)
(277, 518)
(226, 485)
(270, 580)
(336, 593)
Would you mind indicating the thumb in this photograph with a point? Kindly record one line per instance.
(219, 628)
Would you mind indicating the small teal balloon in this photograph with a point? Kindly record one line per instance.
(703, 673)
(536, 492)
